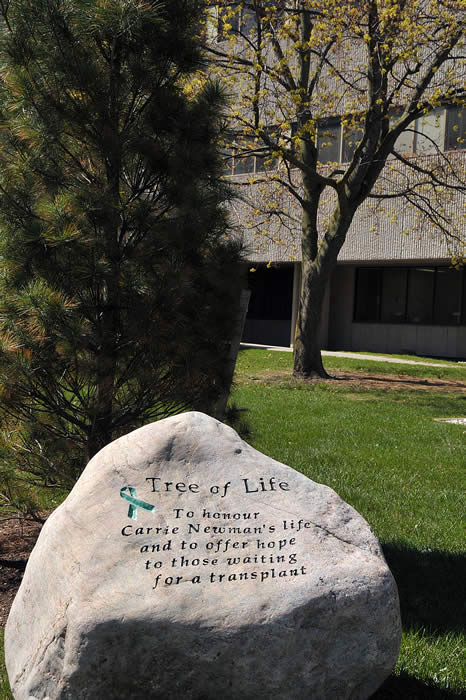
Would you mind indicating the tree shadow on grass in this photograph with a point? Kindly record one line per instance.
(405, 687)
(406, 380)
(431, 589)
(430, 585)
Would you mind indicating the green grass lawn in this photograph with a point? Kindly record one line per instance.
(414, 358)
(384, 454)
(251, 361)
(5, 693)
(382, 451)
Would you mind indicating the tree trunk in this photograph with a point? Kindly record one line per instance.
(101, 429)
(307, 351)
(233, 353)
(317, 268)
(307, 357)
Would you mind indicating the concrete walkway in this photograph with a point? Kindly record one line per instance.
(357, 356)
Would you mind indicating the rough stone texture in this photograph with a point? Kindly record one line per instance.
(91, 621)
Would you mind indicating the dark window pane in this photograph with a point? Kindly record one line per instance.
(351, 140)
(244, 159)
(228, 20)
(420, 294)
(447, 304)
(227, 163)
(394, 284)
(455, 128)
(271, 293)
(463, 303)
(244, 164)
(273, 8)
(328, 142)
(265, 161)
(226, 151)
(248, 22)
(367, 294)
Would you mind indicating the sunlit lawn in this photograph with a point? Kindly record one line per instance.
(251, 361)
(381, 450)
(4, 685)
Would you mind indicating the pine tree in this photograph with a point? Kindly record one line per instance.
(116, 281)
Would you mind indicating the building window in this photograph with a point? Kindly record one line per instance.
(329, 141)
(368, 285)
(463, 302)
(243, 161)
(352, 137)
(271, 292)
(421, 283)
(455, 128)
(429, 134)
(404, 144)
(235, 18)
(443, 127)
(246, 154)
(228, 20)
(448, 292)
(394, 283)
(421, 295)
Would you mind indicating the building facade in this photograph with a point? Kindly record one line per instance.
(395, 288)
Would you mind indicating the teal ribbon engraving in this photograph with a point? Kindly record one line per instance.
(134, 503)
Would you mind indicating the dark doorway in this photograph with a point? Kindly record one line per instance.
(269, 315)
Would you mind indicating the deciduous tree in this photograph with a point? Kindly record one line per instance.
(300, 70)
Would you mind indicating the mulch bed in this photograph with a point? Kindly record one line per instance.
(359, 380)
(399, 381)
(17, 538)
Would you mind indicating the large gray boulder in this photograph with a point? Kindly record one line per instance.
(185, 564)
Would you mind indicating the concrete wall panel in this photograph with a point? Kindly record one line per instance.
(436, 341)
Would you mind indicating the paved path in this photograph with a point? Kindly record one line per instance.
(357, 356)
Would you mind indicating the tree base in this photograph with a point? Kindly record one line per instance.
(312, 374)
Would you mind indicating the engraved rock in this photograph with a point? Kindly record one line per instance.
(185, 564)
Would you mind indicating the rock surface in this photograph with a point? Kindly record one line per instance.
(247, 580)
